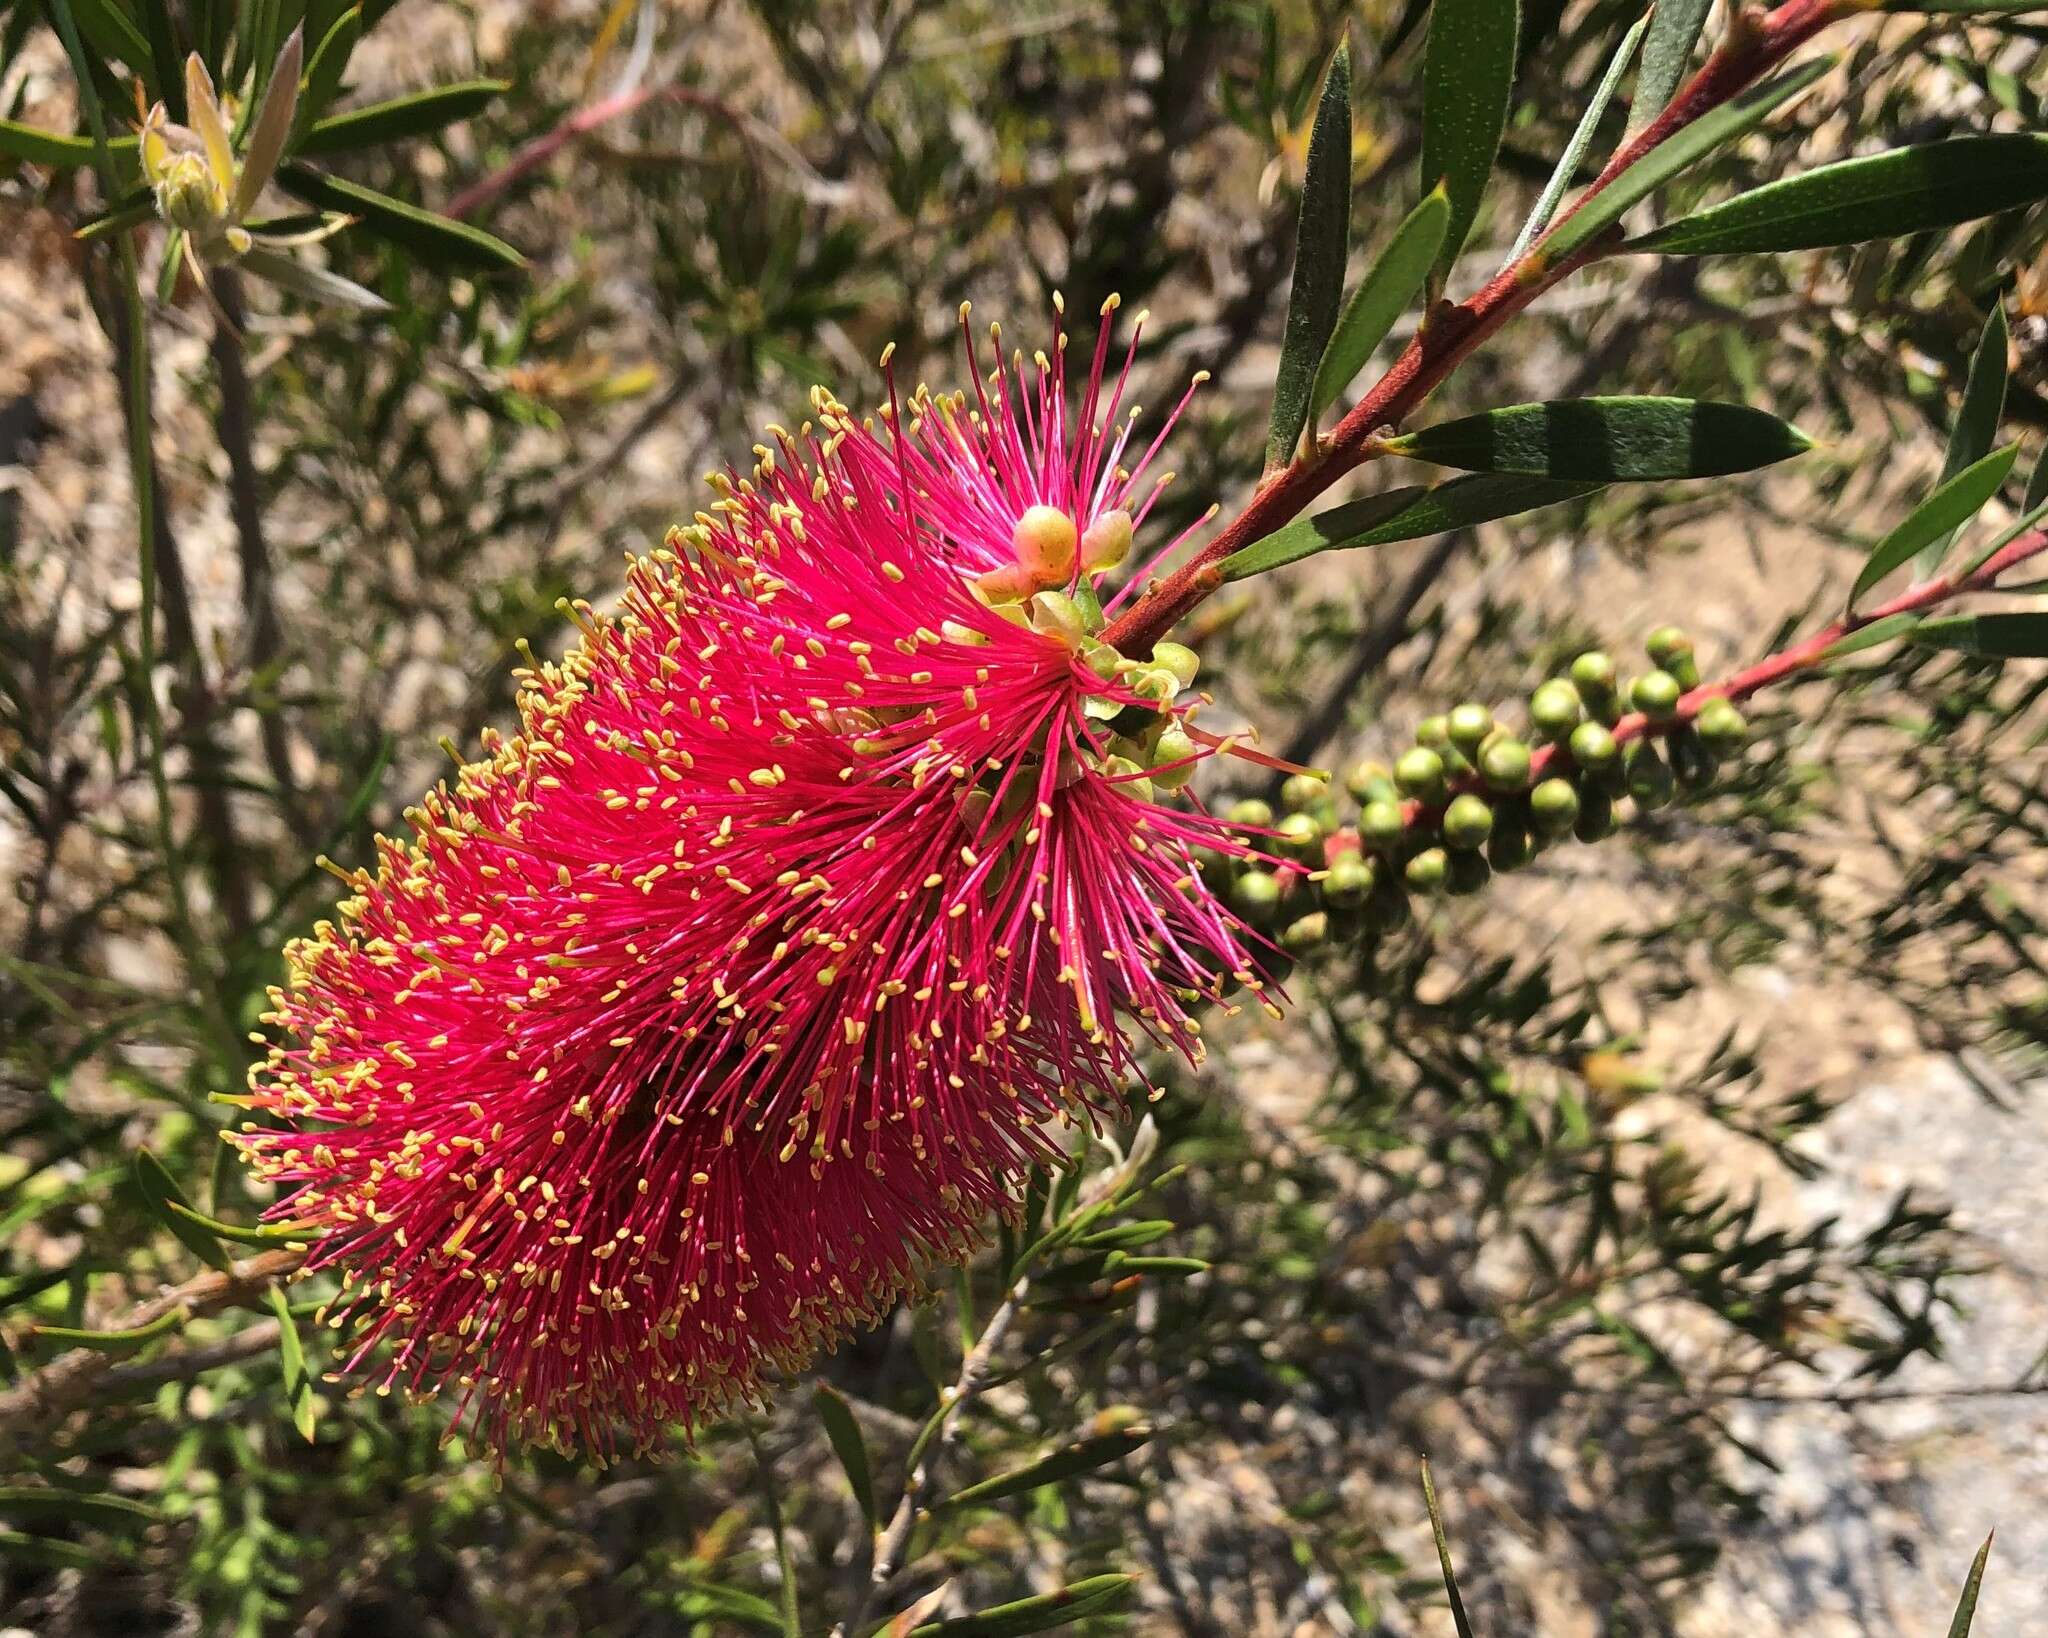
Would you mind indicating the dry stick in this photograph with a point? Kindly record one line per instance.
(51, 1391)
(894, 1540)
(1452, 332)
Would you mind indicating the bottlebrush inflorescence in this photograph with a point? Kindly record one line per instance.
(701, 1014)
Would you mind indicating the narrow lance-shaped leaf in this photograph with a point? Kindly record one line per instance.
(1951, 505)
(848, 1445)
(401, 117)
(1604, 439)
(1382, 296)
(1320, 237)
(298, 1383)
(330, 62)
(1443, 1555)
(1675, 153)
(314, 283)
(2000, 636)
(91, 1507)
(1879, 196)
(59, 149)
(273, 124)
(1977, 418)
(1407, 513)
(1966, 1606)
(1083, 1456)
(1674, 30)
(1582, 139)
(159, 1193)
(1468, 79)
(1040, 1613)
(434, 238)
(1889, 629)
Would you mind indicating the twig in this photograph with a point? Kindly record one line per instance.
(771, 1502)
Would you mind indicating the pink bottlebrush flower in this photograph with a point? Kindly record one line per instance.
(704, 1013)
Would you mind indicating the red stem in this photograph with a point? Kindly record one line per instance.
(1452, 332)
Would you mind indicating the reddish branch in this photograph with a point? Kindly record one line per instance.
(1452, 332)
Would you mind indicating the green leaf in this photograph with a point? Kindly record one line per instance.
(272, 126)
(1382, 296)
(1892, 626)
(159, 1193)
(401, 117)
(91, 1507)
(330, 62)
(1407, 513)
(291, 1352)
(1951, 505)
(131, 210)
(2001, 636)
(67, 1555)
(1966, 1606)
(848, 1446)
(435, 239)
(314, 283)
(120, 1341)
(55, 148)
(1674, 30)
(1607, 438)
(262, 1236)
(1468, 78)
(1038, 1614)
(1320, 237)
(1083, 1456)
(1977, 418)
(1443, 1555)
(1880, 196)
(1675, 153)
(1582, 139)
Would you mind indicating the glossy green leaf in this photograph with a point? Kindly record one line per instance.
(1966, 1606)
(1095, 1595)
(59, 149)
(1889, 629)
(1320, 238)
(1675, 153)
(262, 1236)
(1951, 505)
(91, 1507)
(2002, 636)
(115, 1341)
(1603, 439)
(159, 1193)
(1879, 196)
(848, 1445)
(1443, 1555)
(1977, 418)
(1382, 296)
(1674, 31)
(435, 239)
(1407, 513)
(401, 117)
(329, 63)
(291, 1353)
(1582, 139)
(1083, 1456)
(1468, 79)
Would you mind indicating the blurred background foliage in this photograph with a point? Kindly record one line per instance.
(1528, 1194)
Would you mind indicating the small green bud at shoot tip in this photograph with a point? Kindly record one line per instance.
(1504, 765)
(1468, 725)
(1671, 650)
(1721, 726)
(1592, 747)
(1106, 542)
(1255, 892)
(1381, 827)
(1655, 694)
(1044, 541)
(1555, 709)
(1593, 676)
(1427, 870)
(1420, 774)
(1434, 732)
(1173, 746)
(1468, 821)
(1300, 792)
(1349, 881)
(1554, 806)
(1251, 812)
(1302, 836)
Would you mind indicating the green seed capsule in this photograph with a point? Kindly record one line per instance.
(1671, 650)
(1370, 782)
(1593, 748)
(1555, 709)
(1469, 872)
(1434, 732)
(1349, 882)
(1427, 870)
(1306, 933)
(1468, 821)
(1649, 776)
(1596, 815)
(1251, 812)
(1721, 726)
(1300, 792)
(1554, 805)
(1301, 836)
(1468, 726)
(1420, 774)
(1504, 765)
(1511, 846)
(1255, 893)
(1691, 761)
(1381, 826)
(1655, 694)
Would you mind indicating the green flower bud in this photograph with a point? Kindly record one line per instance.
(1435, 732)
(1592, 747)
(1593, 676)
(1468, 873)
(1250, 812)
(1655, 694)
(1138, 790)
(1671, 650)
(1721, 726)
(1349, 881)
(1468, 821)
(1468, 725)
(1302, 836)
(1058, 615)
(1300, 792)
(1381, 826)
(1106, 542)
(1596, 815)
(1306, 933)
(1255, 893)
(1427, 870)
(1649, 776)
(1178, 659)
(1420, 774)
(1555, 709)
(1554, 806)
(1511, 846)
(1370, 782)
(1504, 765)
(1173, 745)
(1044, 541)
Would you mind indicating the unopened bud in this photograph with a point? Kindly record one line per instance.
(1593, 677)
(1554, 806)
(1721, 726)
(1504, 765)
(1370, 782)
(1349, 880)
(1300, 792)
(1468, 725)
(1468, 821)
(1255, 893)
(1009, 584)
(1306, 933)
(1596, 815)
(1511, 846)
(1468, 873)
(1427, 870)
(1691, 761)
(1251, 812)
(1044, 543)
(1380, 826)
(1655, 694)
(1555, 709)
(1173, 746)
(1435, 732)
(1177, 658)
(1106, 542)
(1592, 747)
(1302, 836)
(1420, 774)
(1058, 615)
